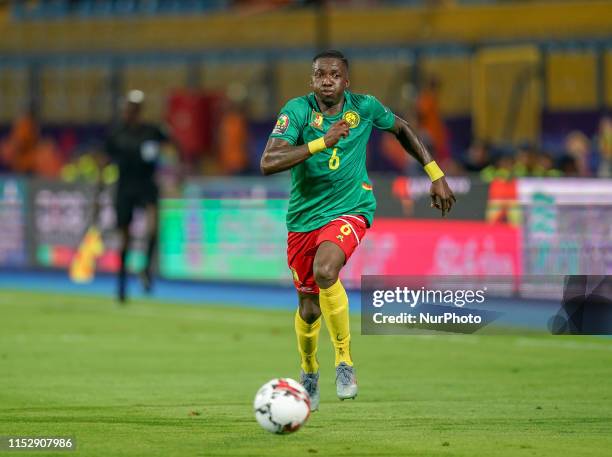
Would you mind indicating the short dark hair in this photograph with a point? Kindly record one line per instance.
(332, 54)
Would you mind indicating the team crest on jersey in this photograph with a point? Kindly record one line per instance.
(352, 119)
(281, 125)
(317, 120)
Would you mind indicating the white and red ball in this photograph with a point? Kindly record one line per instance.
(282, 405)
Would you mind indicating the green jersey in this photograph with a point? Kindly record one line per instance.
(335, 181)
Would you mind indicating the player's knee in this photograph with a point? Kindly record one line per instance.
(310, 315)
(325, 275)
(309, 309)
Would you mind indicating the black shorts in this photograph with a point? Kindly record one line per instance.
(126, 200)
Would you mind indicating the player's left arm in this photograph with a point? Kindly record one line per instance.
(442, 196)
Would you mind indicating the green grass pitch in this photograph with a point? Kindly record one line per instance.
(175, 380)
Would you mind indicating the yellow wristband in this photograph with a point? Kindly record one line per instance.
(433, 170)
(317, 145)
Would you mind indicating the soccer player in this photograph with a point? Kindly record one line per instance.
(322, 138)
(135, 147)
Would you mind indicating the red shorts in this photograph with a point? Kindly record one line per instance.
(345, 231)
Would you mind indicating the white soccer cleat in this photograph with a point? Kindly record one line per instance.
(310, 381)
(346, 381)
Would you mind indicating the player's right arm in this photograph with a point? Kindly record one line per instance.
(280, 155)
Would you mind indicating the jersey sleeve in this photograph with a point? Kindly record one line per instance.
(289, 123)
(382, 117)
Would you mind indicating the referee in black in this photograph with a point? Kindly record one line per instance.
(135, 147)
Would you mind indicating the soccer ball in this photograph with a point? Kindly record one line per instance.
(282, 406)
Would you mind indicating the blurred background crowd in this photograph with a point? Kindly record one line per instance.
(492, 100)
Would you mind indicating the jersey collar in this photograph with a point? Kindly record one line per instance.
(332, 116)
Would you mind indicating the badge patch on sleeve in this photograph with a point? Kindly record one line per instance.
(281, 125)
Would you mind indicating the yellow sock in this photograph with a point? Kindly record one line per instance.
(308, 342)
(334, 306)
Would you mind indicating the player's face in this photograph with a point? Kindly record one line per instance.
(329, 80)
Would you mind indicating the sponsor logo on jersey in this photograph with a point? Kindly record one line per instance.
(317, 120)
(352, 118)
(281, 125)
